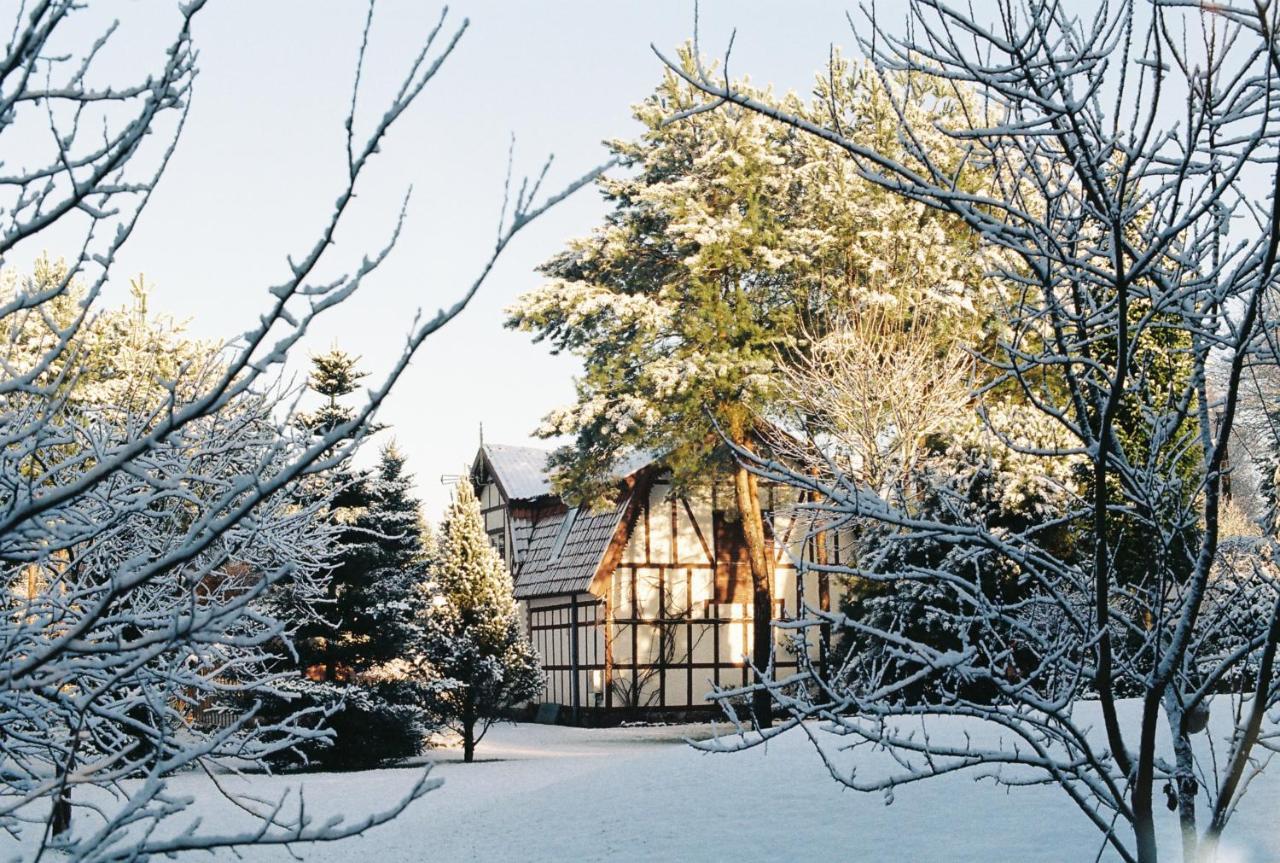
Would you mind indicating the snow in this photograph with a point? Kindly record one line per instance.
(549, 793)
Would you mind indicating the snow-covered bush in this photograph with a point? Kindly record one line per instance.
(972, 479)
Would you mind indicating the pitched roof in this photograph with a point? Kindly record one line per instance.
(556, 549)
(565, 548)
(521, 471)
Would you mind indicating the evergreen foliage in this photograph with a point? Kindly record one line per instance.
(966, 481)
(472, 639)
(353, 656)
(375, 582)
(333, 375)
(123, 362)
(732, 245)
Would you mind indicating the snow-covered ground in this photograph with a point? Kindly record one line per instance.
(641, 794)
(543, 793)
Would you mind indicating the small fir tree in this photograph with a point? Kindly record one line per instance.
(472, 631)
(334, 375)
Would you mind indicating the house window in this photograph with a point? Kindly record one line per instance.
(499, 541)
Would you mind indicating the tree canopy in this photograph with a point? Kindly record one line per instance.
(733, 243)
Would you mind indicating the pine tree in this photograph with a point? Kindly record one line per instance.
(732, 245)
(472, 637)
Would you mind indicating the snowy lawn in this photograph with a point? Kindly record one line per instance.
(545, 793)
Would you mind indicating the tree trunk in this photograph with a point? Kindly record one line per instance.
(820, 558)
(468, 731)
(62, 818)
(1185, 788)
(60, 821)
(747, 494)
(1144, 826)
(1182, 786)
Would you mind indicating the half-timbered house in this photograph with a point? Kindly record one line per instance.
(645, 606)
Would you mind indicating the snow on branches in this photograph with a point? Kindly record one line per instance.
(1128, 206)
(158, 504)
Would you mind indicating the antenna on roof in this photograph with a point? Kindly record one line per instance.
(481, 434)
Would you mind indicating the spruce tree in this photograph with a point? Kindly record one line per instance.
(334, 375)
(376, 605)
(352, 659)
(328, 647)
(472, 638)
(381, 601)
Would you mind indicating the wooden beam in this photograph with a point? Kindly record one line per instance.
(702, 540)
(639, 486)
(574, 704)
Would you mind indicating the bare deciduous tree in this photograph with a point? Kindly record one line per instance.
(147, 546)
(869, 393)
(1136, 213)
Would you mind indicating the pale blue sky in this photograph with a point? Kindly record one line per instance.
(262, 157)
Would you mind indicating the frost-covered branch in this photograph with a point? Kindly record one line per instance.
(1122, 175)
(163, 520)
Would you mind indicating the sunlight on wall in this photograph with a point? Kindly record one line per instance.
(737, 641)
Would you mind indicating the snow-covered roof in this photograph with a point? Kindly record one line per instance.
(629, 464)
(521, 471)
(557, 549)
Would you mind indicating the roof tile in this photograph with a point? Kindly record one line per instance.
(541, 574)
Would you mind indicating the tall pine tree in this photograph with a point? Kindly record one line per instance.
(730, 246)
(472, 637)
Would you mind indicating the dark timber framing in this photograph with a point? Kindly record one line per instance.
(646, 633)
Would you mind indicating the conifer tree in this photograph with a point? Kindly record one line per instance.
(472, 637)
(376, 609)
(327, 646)
(730, 248)
(333, 375)
(383, 605)
(354, 652)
